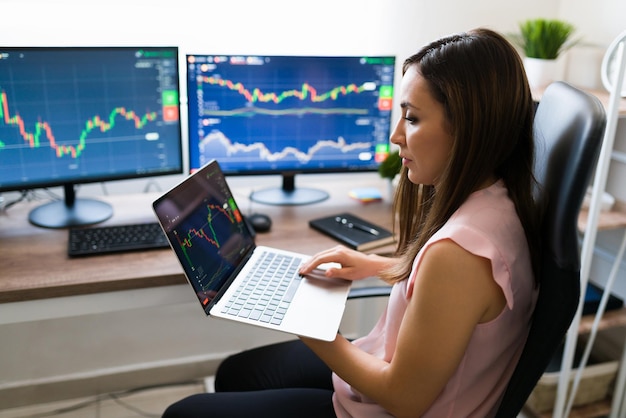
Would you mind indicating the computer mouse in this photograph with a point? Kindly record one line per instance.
(260, 222)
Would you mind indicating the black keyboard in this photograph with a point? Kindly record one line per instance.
(115, 238)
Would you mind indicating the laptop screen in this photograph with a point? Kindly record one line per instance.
(206, 230)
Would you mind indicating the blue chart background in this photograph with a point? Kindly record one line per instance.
(296, 126)
(204, 256)
(68, 87)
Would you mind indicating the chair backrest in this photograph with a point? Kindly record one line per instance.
(569, 127)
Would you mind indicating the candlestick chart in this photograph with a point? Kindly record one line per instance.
(210, 241)
(279, 113)
(42, 133)
(87, 113)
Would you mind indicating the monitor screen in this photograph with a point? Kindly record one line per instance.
(72, 115)
(289, 115)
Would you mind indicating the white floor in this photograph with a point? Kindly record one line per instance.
(141, 403)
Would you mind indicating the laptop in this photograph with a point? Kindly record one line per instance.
(221, 261)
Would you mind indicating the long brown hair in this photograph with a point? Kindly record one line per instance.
(479, 79)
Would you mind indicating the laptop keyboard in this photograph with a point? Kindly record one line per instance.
(115, 238)
(266, 294)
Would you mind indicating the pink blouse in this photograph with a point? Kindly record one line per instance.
(486, 225)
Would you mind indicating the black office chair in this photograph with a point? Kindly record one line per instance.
(569, 126)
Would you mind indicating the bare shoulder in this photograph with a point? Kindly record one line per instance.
(457, 276)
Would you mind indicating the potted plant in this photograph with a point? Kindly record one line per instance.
(390, 166)
(543, 41)
(389, 169)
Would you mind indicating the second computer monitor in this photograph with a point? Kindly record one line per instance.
(289, 114)
(76, 115)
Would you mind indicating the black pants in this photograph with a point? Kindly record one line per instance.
(280, 380)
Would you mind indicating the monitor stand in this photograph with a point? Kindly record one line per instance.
(70, 211)
(288, 195)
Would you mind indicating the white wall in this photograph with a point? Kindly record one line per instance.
(597, 22)
(47, 351)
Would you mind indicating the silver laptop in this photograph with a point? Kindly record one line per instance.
(231, 276)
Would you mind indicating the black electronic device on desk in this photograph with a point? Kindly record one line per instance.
(115, 239)
(353, 231)
(259, 222)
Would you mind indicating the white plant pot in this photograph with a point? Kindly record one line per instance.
(541, 72)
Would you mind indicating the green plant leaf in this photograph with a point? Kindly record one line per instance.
(391, 166)
(544, 38)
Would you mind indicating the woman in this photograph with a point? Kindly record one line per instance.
(464, 283)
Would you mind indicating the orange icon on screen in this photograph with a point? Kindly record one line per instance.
(170, 113)
(384, 103)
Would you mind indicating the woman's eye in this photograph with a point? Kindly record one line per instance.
(410, 119)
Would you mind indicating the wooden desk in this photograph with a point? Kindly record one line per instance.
(34, 263)
(613, 219)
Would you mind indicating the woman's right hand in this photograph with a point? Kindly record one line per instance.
(352, 264)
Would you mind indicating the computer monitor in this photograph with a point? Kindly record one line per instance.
(71, 115)
(288, 115)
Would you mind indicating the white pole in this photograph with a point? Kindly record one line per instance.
(617, 406)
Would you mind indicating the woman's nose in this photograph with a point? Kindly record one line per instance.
(397, 136)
